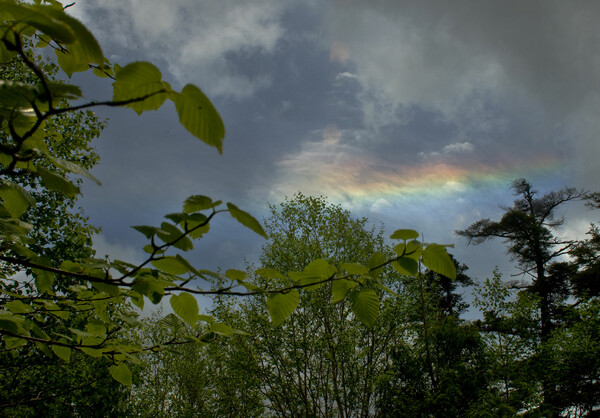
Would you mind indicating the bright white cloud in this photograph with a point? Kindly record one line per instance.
(458, 147)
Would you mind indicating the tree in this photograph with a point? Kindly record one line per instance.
(438, 368)
(527, 228)
(322, 361)
(102, 292)
(60, 232)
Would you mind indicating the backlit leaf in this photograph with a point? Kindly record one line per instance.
(140, 80)
(355, 268)
(186, 307)
(57, 183)
(64, 353)
(170, 265)
(340, 288)
(377, 259)
(15, 199)
(197, 203)
(121, 374)
(406, 266)
(198, 115)
(405, 234)
(281, 305)
(73, 168)
(366, 307)
(246, 219)
(436, 258)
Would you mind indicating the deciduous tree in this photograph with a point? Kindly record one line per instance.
(34, 315)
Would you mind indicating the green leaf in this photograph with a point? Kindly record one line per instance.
(198, 115)
(69, 63)
(366, 307)
(269, 273)
(16, 199)
(186, 307)
(137, 299)
(414, 250)
(355, 268)
(92, 352)
(206, 318)
(36, 17)
(13, 324)
(85, 48)
(152, 288)
(64, 353)
(13, 342)
(406, 266)
(221, 328)
(148, 231)
(320, 268)
(121, 374)
(316, 272)
(111, 289)
(246, 219)
(377, 259)
(171, 265)
(57, 183)
(138, 80)
(436, 258)
(18, 307)
(340, 288)
(405, 234)
(73, 168)
(387, 289)
(197, 203)
(168, 232)
(177, 217)
(281, 305)
(235, 274)
(43, 280)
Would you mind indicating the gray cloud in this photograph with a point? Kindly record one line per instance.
(532, 65)
(193, 39)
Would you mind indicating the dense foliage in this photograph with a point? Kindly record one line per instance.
(63, 309)
(420, 358)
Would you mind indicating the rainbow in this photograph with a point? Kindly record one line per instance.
(364, 180)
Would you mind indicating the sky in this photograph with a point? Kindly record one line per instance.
(415, 114)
